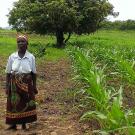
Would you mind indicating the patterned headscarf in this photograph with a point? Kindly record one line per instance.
(22, 37)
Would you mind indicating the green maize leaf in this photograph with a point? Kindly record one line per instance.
(116, 112)
(94, 114)
(113, 121)
(131, 131)
(101, 132)
(120, 97)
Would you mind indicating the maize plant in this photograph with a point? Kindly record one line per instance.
(109, 110)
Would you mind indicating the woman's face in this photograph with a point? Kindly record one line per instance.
(22, 44)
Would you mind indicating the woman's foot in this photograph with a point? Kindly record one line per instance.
(12, 127)
(23, 126)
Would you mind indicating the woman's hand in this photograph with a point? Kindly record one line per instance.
(34, 83)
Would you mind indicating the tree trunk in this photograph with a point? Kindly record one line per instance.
(60, 39)
(69, 34)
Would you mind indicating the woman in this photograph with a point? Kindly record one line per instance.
(21, 86)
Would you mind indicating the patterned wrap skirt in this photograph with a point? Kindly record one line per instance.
(21, 106)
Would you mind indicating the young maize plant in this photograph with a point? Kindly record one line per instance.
(109, 111)
(119, 61)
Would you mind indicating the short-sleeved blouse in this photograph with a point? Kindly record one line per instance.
(21, 65)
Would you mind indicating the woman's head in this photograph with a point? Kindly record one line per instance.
(22, 42)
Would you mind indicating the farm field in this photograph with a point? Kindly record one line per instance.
(85, 89)
(104, 67)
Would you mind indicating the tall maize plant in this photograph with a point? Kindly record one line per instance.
(108, 110)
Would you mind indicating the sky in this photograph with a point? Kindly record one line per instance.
(4, 10)
(125, 8)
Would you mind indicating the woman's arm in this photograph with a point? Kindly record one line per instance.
(34, 76)
(34, 79)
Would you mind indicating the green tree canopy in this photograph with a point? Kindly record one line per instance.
(59, 16)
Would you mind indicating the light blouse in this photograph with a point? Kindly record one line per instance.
(21, 65)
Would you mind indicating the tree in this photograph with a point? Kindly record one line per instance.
(128, 25)
(118, 25)
(59, 17)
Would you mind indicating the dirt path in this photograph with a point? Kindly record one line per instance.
(55, 115)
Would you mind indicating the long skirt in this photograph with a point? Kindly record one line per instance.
(21, 107)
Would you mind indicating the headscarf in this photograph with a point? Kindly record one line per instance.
(22, 37)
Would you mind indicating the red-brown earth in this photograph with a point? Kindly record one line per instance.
(56, 112)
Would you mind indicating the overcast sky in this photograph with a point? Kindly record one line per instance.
(4, 10)
(126, 9)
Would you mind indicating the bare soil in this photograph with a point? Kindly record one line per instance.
(56, 113)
